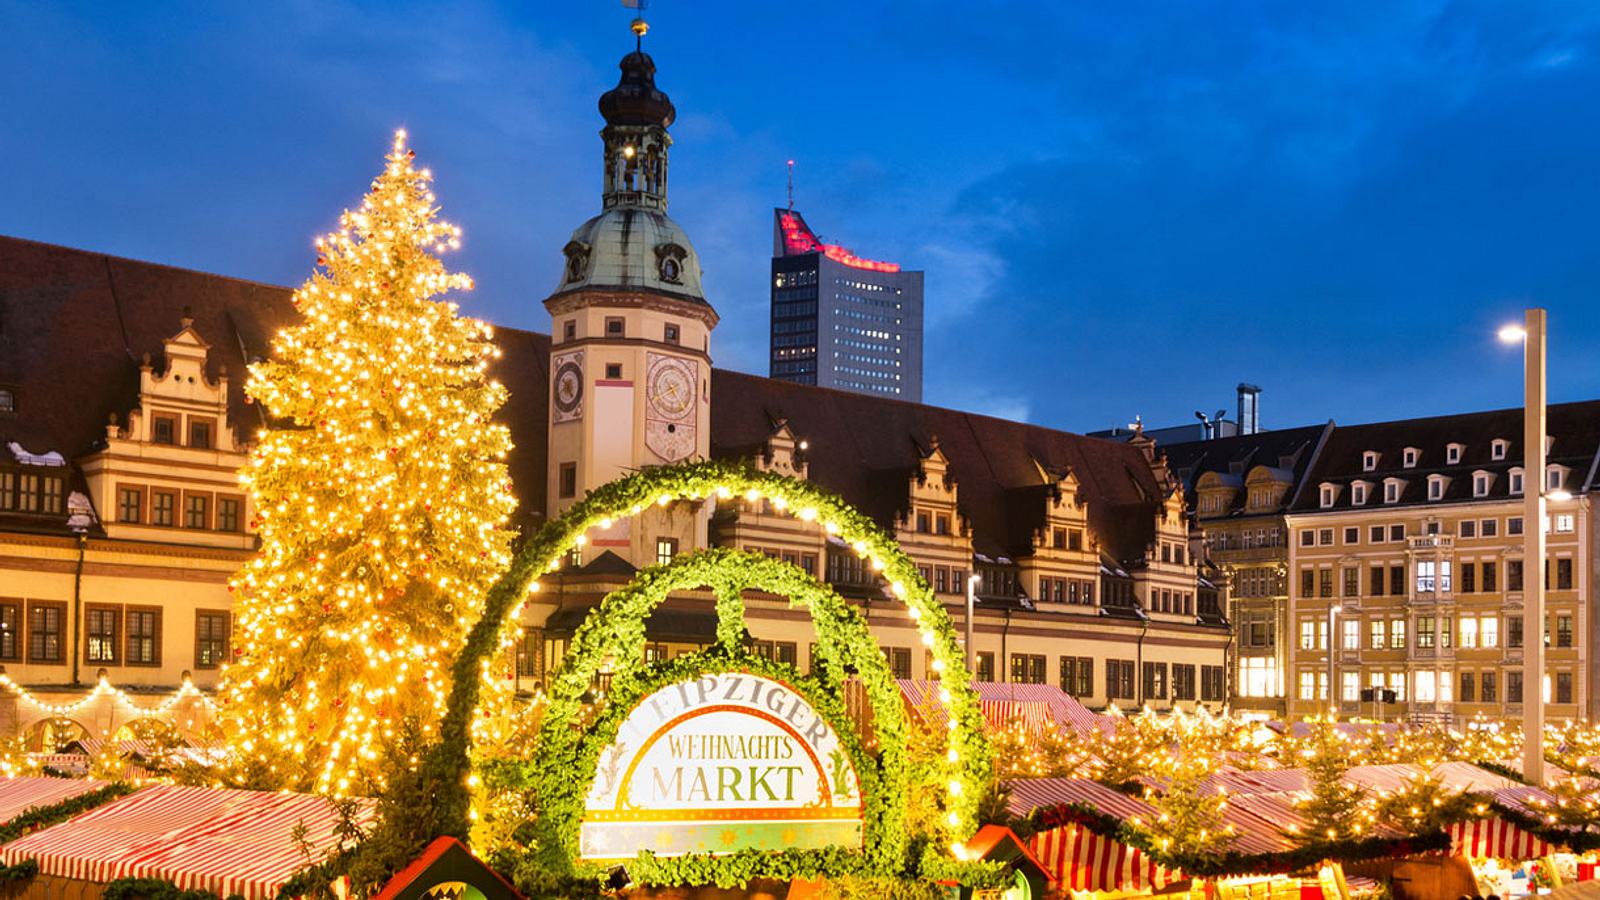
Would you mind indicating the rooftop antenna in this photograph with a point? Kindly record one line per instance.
(791, 185)
(639, 25)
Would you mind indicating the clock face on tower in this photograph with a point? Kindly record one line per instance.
(568, 383)
(671, 406)
(671, 390)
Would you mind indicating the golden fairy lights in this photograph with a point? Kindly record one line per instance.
(380, 494)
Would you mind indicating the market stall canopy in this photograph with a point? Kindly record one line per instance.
(224, 841)
(1495, 838)
(21, 793)
(1039, 707)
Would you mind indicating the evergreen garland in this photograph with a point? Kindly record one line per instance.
(566, 761)
(444, 775)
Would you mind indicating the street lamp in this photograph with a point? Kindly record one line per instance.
(1534, 483)
(1333, 663)
(972, 600)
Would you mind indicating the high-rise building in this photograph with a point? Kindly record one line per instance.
(841, 321)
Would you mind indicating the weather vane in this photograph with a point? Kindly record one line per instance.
(639, 25)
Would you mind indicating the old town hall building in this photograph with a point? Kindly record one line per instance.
(123, 422)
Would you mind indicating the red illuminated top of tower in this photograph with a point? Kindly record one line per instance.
(797, 238)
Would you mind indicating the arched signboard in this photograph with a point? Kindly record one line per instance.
(724, 762)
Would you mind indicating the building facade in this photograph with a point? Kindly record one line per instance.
(123, 423)
(842, 321)
(1240, 489)
(1407, 572)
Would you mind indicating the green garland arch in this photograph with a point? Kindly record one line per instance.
(448, 770)
(568, 758)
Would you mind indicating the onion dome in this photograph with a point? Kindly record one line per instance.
(636, 100)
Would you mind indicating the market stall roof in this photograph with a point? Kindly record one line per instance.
(225, 841)
(1253, 834)
(1080, 860)
(1040, 706)
(1495, 838)
(21, 793)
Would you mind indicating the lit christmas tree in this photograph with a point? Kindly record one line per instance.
(1189, 822)
(380, 495)
(1336, 809)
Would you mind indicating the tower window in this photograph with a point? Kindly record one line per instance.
(568, 486)
(613, 371)
(569, 331)
(671, 333)
(615, 326)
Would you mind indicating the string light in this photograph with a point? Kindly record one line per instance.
(380, 501)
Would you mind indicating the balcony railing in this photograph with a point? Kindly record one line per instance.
(1432, 542)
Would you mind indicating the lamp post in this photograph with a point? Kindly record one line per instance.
(1534, 483)
(1333, 661)
(972, 601)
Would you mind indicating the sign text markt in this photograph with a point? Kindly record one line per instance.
(724, 762)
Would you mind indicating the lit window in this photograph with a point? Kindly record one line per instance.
(666, 550)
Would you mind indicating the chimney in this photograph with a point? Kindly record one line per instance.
(1249, 408)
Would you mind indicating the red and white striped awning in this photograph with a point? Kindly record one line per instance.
(25, 792)
(1039, 707)
(1495, 838)
(1081, 860)
(225, 841)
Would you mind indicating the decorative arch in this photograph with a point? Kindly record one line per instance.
(970, 768)
(568, 758)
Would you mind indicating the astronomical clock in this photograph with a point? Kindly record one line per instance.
(671, 394)
(567, 381)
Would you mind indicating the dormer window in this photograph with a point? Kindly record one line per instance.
(1369, 461)
(1452, 453)
(1409, 457)
(1392, 488)
(1481, 482)
(1516, 480)
(1358, 493)
(1330, 493)
(1497, 448)
(1436, 486)
(8, 400)
(1555, 478)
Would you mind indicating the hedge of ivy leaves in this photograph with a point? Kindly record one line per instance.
(446, 771)
(567, 759)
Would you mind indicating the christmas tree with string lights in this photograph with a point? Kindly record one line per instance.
(1335, 809)
(1189, 813)
(380, 494)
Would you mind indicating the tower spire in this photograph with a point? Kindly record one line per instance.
(791, 185)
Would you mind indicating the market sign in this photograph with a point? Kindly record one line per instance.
(723, 762)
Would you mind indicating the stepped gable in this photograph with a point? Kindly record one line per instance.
(74, 325)
(864, 448)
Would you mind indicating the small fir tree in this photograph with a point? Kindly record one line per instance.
(380, 494)
(1189, 812)
(1336, 809)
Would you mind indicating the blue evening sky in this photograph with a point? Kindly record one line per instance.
(1123, 207)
